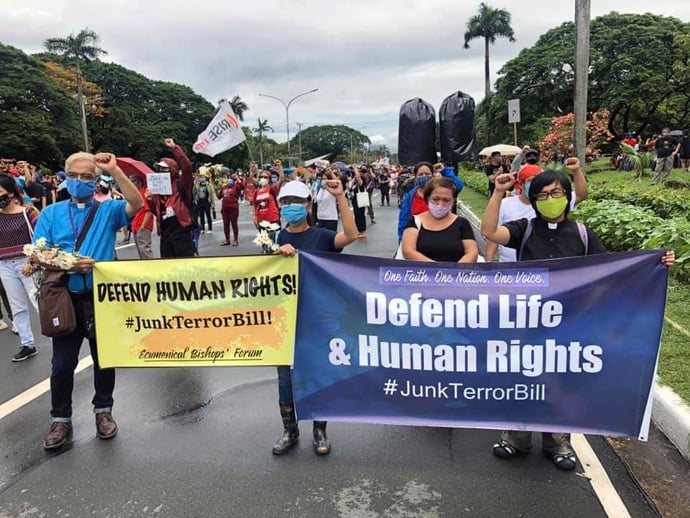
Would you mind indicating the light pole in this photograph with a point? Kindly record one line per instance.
(287, 114)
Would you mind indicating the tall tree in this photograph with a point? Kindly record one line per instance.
(36, 115)
(638, 71)
(262, 128)
(82, 48)
(488, 23)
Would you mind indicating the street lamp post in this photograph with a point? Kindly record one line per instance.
(287, 115)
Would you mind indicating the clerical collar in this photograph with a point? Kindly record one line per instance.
(80, 205)
(552, 226)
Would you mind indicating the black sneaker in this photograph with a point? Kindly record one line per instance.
(24, 353)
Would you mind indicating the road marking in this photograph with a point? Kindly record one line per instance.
(601, 483)
(36, 391)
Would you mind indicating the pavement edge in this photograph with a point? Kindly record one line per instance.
(672, 416)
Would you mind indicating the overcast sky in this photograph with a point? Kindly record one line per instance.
(366, 57)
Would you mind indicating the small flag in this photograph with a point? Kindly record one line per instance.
(222, 133)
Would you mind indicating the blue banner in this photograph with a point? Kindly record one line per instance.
(565, 345)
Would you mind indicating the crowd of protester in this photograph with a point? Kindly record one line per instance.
(527, 218)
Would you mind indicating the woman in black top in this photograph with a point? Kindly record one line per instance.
(438, 234)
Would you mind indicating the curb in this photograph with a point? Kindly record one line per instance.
(672, 416)
(669, 412)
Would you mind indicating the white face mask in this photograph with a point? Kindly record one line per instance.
(263, 182)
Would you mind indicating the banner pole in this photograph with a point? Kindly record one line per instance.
(515, 133)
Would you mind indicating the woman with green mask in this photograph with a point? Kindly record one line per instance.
(550, 234)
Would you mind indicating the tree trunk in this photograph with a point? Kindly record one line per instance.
(487, 88)
(82, 111)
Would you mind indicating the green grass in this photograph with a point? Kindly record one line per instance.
(674, 359)
(474, 200)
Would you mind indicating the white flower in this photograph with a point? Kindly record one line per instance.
(28, 249)
(41, 242)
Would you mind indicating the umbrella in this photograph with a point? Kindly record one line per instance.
(504, 149)
(131, 166)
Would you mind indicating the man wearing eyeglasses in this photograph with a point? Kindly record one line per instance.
(550, 234)
(60, 224)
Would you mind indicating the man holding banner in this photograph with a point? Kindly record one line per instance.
(295, 203)
(549, 235)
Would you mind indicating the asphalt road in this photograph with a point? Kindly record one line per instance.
(197, 443)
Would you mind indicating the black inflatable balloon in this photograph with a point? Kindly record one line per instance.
(456, 118)
(417, 132)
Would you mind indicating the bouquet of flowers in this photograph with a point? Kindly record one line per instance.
(50, 256)
(266, 238)
(43, 257)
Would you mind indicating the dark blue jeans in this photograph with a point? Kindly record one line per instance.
(285, 396)
(65, 359)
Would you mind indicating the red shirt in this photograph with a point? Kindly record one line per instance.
(139, 216)
(265, 205)
(230, 194)
(418, 204)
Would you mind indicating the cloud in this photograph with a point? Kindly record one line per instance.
(366, 58)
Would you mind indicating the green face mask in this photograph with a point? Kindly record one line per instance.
(551, 208)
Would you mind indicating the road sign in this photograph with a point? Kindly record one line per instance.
(513, 111)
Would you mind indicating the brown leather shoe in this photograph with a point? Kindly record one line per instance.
(58, 435)
(106, 427)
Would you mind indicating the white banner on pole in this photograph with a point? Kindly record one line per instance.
(513, 111)
(222, 133)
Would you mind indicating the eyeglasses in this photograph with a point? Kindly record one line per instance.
(87, 177)
(554, 193)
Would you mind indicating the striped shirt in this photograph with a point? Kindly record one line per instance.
(14, 232)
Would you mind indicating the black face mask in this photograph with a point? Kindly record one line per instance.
(4, 201)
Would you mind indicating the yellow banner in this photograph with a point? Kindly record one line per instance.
(211, 311)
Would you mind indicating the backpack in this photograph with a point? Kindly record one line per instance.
(581, 228)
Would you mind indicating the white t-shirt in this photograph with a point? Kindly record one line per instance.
(326, 208)
(513, 208)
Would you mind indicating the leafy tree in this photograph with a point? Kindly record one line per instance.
(562, 129)
(37, 121)
(639, 72)
(330, 140)
(67, 79)
(81, 48)
(488, 23)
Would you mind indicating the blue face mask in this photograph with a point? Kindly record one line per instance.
(525, 189)
(422, 180)
(80, 189)
(294, 213)
(231, 182)
(274, 179)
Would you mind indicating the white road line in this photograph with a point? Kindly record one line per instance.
(36, 391)
(601, 483)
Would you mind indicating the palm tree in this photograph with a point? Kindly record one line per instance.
(239, 107)
(82, 47)
(261, 129)
(488, 23)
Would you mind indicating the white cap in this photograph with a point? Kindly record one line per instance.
(295, 188)
(162, 164)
